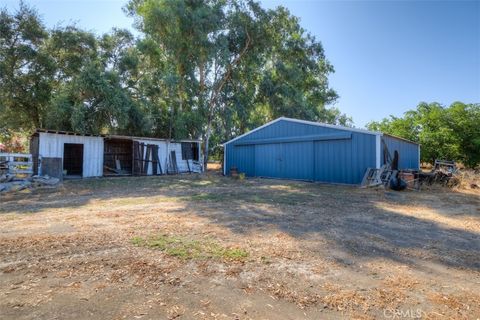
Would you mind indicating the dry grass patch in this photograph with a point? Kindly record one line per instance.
(401, 282)
(464, 304)
(261, 249)
(283, 291)
(344, 300)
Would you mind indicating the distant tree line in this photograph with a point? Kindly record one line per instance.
(211, 69)
(451, 133)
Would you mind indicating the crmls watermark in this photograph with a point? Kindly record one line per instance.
(402, 314)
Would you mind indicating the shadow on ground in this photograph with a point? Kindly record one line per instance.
(349, 219)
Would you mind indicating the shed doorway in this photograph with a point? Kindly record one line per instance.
(117, 157)
(73, 159)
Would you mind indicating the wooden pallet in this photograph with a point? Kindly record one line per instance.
(376, 177)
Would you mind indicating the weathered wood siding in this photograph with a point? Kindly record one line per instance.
(164, 149)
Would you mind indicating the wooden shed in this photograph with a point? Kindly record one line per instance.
(68, 154)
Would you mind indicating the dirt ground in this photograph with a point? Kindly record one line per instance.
(210, 247)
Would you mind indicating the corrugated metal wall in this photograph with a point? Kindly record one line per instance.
(243, 157)
(52, 145)
(182, 164)
(341, 158)
(409, 156)
(344, 161)
(163, 154)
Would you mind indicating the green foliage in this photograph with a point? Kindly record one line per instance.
(444, 132)
(72, 49)
(294, 82)
(26, 69)
(12, 141)
(228, 66)
(210, 69)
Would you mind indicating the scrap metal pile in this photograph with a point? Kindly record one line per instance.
(443, 172)
(10, 182)
(16, 174)
(389, 176)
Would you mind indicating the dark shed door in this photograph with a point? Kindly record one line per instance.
(138, 154)
(34, 150)
(73, 159)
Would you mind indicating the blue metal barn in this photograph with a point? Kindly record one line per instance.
(303, 150)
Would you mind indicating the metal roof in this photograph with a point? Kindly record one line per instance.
(319, 124)
(400, 138)
(70, 133)
(112, 136)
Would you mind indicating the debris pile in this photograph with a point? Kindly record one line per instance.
(449, 174)
(444, 173)
(10, 182)
(389, 176)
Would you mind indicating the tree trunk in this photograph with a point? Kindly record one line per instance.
(170, 125)
(201, 70)
(36, 117)
(216, 92)
(206, 146)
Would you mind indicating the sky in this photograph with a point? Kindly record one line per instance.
(388, 55)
